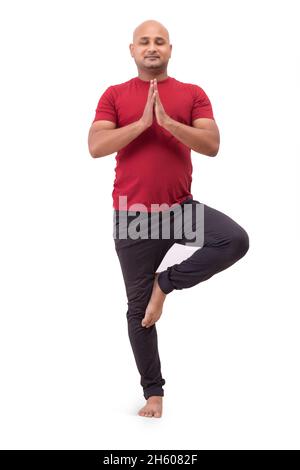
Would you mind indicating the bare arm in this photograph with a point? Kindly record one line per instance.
(203, 137)
(104, 139)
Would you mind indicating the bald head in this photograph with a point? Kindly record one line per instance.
(151, 38)
(151, 27)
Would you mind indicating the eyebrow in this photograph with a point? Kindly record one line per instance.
(147, 37)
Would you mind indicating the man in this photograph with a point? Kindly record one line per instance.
(153, 121)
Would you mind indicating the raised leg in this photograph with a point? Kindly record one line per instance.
(225, 242)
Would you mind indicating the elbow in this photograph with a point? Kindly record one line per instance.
(91, 150)
(97, 155)
(214, 153)
(93, 153)
(215, 150)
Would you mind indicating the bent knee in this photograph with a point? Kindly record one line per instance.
(240, 242)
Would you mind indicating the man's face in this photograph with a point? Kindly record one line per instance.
(151, 49)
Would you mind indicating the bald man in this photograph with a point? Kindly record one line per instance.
(154, 121)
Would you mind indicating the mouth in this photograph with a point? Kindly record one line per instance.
(152, 57)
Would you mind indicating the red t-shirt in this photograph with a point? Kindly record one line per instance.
(155, 167)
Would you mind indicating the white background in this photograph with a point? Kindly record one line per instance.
(229, 346)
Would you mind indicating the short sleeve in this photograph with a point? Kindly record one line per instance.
(202, 107)
(106, 107)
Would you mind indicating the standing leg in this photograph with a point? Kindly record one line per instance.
(225, 242)
(139, 260)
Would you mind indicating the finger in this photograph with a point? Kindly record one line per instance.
(151, 87)
(155, 84)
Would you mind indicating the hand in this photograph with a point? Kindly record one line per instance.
(147, 117)
(161, 116)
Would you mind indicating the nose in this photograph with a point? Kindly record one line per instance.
(152, 49)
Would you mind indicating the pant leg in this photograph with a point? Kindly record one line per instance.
(225, 242)
(139, 260)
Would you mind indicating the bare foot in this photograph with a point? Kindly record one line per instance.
(155, 305)
(153, 407)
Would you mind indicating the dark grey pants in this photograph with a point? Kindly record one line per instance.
(223, 243)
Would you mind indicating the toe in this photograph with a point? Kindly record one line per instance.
(146, 320)
(142, 412)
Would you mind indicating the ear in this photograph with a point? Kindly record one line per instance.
(131, 49)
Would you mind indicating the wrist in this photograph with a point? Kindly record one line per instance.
(170, 123)
(141, 125)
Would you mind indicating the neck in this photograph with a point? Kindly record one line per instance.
(147, 76)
